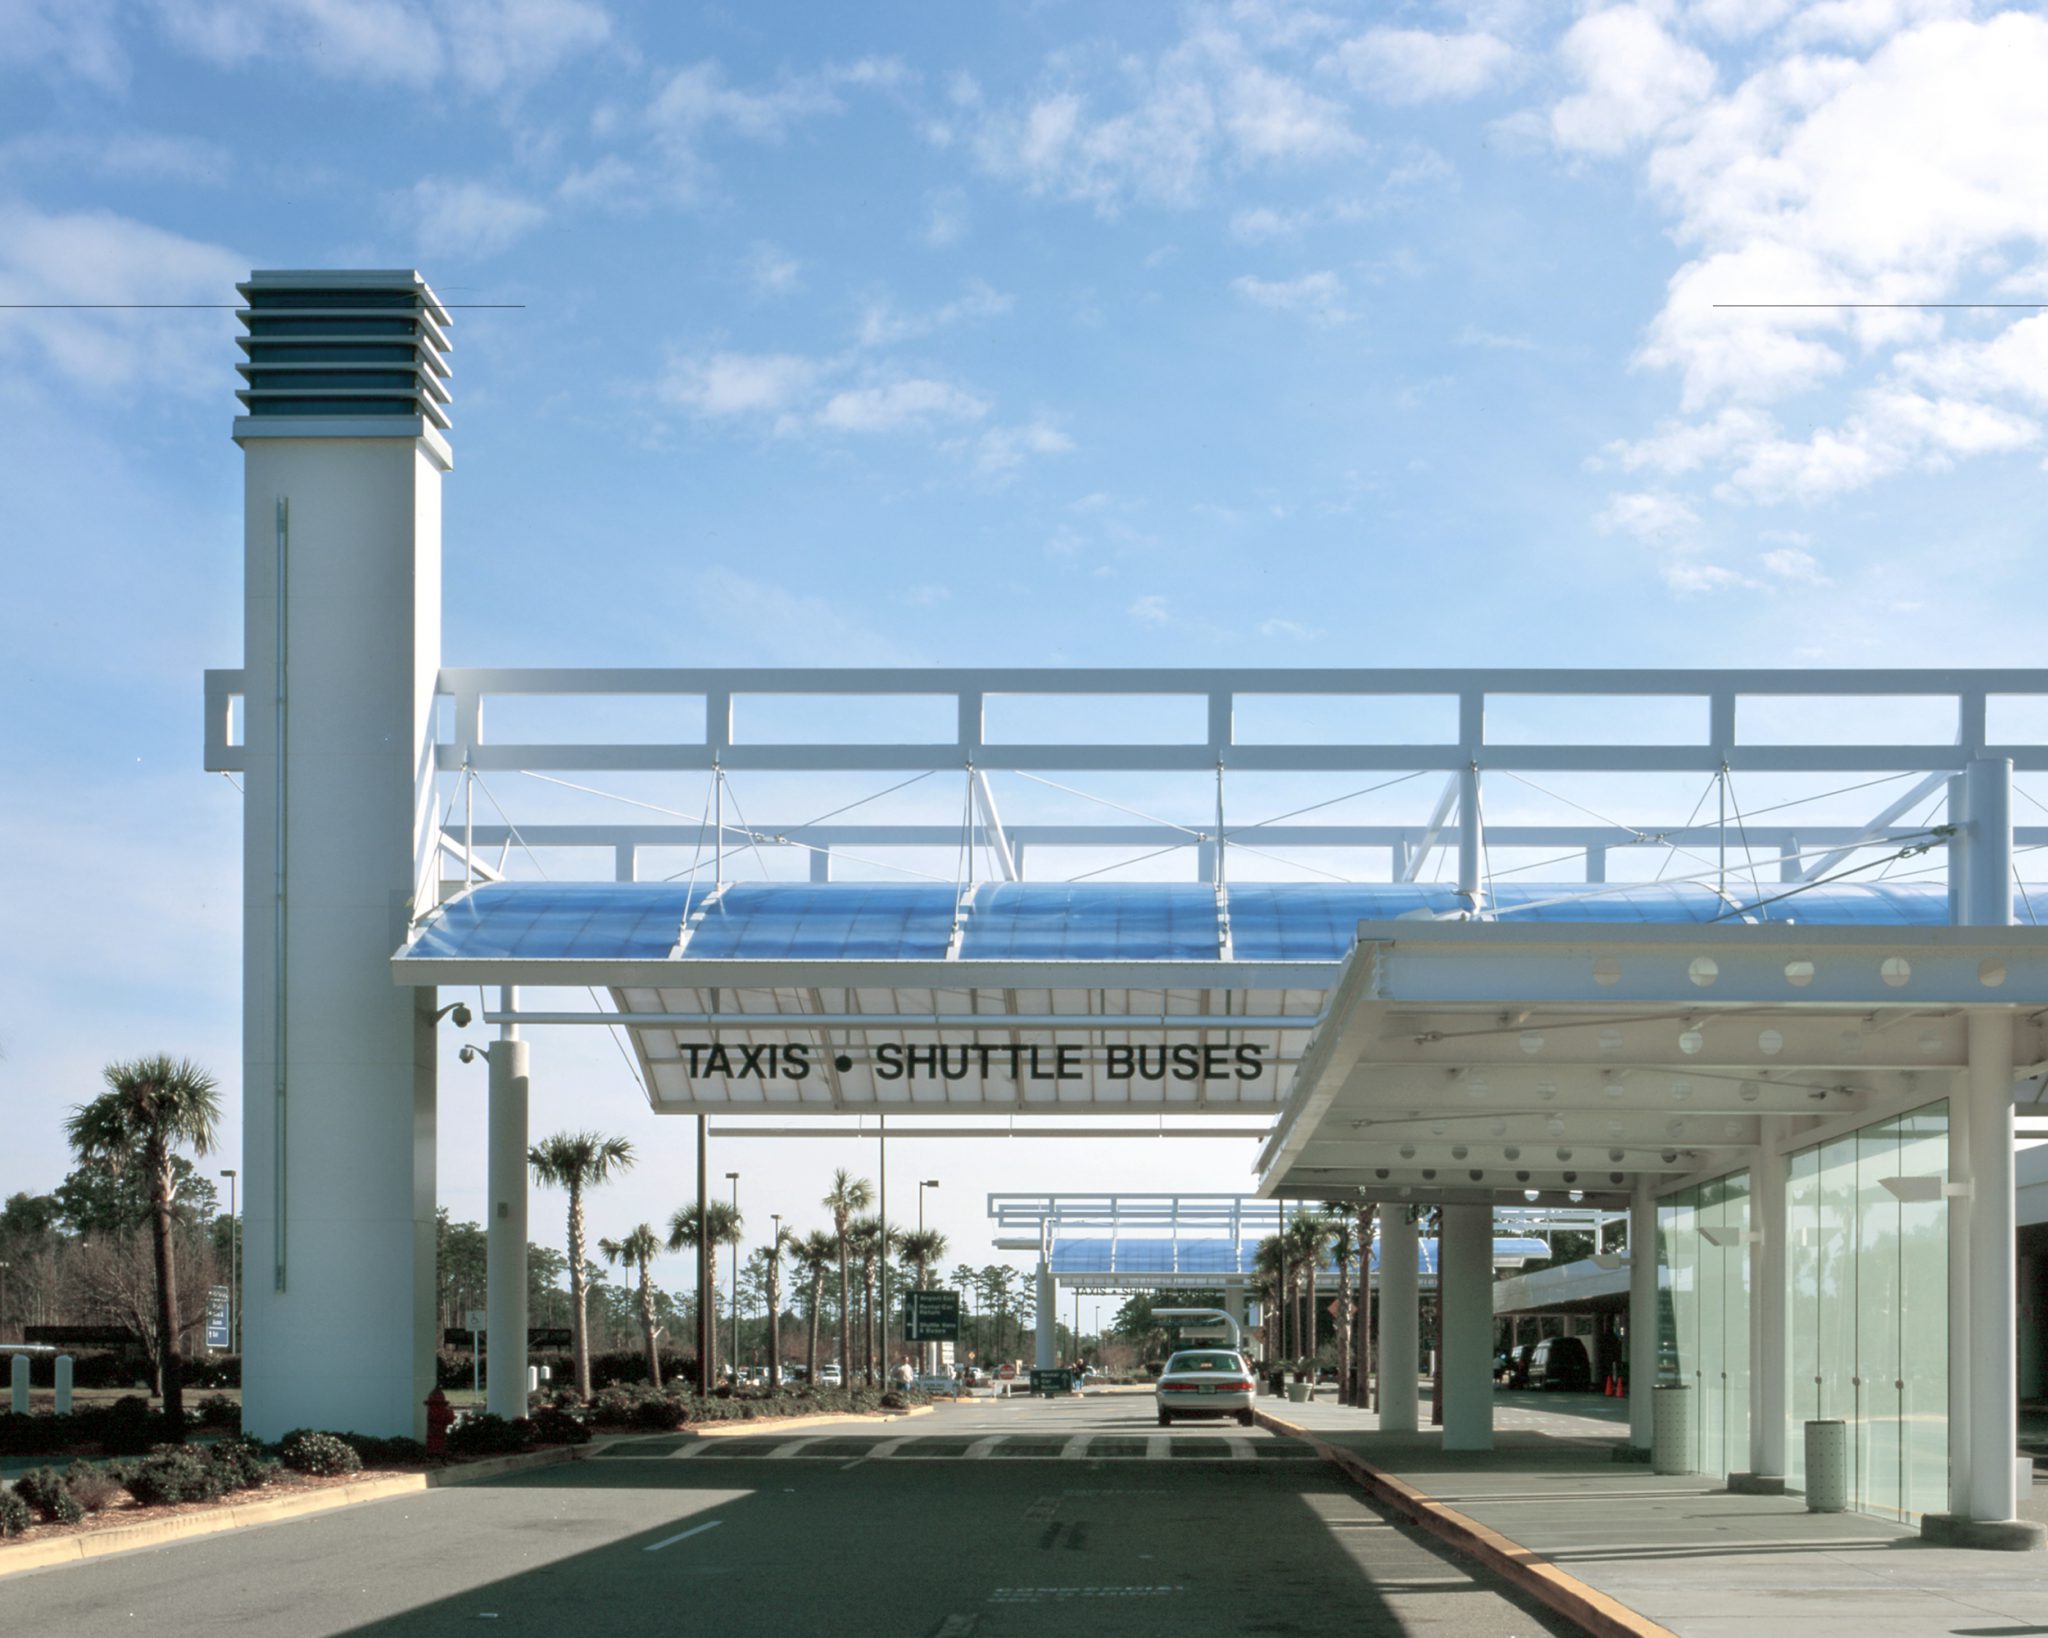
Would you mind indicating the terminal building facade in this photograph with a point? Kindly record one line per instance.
(1797, 1078)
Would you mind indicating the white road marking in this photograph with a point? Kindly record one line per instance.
(1076, 1447)
(1158, 1447)
(688, 1451)
(886, 1449)
(782, 1453)
(980, 1449)
(1240, 1449)
(684, 1535)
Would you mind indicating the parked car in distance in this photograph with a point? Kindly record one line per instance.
(1516, 1374)
(829, 1377)
(973, 1376)
(1561, 1363)
(1205, 1382)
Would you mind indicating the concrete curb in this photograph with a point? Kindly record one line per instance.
(1521, 1567)
(75, 1549)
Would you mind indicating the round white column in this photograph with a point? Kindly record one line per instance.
(1642, 1312)
(1465, 1285)
(1048, 1299)
(1994, 1390)
(1767, 1330)
(505, 1234)
(1400, 1322)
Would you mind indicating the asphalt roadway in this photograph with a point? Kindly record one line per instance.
(1066, 1519)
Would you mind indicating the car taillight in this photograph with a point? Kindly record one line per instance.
(1236, 1387)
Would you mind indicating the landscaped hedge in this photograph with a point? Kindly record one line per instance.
(646, 1410)
(127, 1427)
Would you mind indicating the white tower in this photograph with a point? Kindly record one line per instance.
(344, 445)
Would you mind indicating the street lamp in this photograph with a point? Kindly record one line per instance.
(930, 1350)
(234, 1266)
(4, 1267)
(774, 1310)
(734, 1180)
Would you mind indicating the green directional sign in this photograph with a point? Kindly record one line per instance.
(931, 1316)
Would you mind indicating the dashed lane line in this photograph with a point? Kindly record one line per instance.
(684, 1535)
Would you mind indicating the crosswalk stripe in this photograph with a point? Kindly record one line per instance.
(795, 1447)
(1158, 1447)
(1076, 1447)
(886, 1449)
(688, 1451)
(981, 1447)
(1240, 1449)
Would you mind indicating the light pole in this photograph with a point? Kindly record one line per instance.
(734, 1180)
(927, 1352)
(4, 1267)
(234, 1266)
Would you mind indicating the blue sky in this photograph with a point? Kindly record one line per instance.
(1031, 333)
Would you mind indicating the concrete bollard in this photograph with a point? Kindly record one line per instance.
(533, 1379)
(1827, 1467)
(1671, 1428)
(20, 1381)
(63, 1384)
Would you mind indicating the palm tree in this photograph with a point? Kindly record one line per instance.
(1269, 1264)
(638, 1249)
(848, 1198)
(152, 1108)
(723, 1223)
(815, 1255)
(773, 1252)
(864, 1236)
(1306, 1237)
(921, 1248)
(1343, 1247)
(1361, 1353)
(577, 1161)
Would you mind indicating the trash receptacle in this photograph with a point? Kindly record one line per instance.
(1276, 1384)
(1827, 1467)
(1671, 1428)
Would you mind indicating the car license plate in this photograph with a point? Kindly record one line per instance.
(1205, 1388)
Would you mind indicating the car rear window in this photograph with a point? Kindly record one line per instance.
(1205, 1362)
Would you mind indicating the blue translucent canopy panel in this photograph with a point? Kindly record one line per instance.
(1506, 1248)
(561, 921)
(1063, 921)
(1636, 902)
(1316, 921)
(1858, 904)
(826, 921)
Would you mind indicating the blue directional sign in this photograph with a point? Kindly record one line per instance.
(220, 1330)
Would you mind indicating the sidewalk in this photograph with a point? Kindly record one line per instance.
(1683, 1552)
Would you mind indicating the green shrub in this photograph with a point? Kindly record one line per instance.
(658, 1413)
(218, 1411)
(127, 1427)
(304, 1450)
(15, 1516)
(554, 1426)
(95, 1485)
(615, 1404)
(174, 1473)
(488, 1435)
(241, 1464)
(396, 1452)
(43, 1488)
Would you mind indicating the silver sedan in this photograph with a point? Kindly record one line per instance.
(1205, 1382)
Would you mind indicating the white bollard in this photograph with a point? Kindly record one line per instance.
(533, 1379)
(63, 1384)
(20, 1374)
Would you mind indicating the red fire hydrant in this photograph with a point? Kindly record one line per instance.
(440, 1416)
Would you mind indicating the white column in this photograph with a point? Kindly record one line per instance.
(1469, 840)
(1400, 1321)
(1048, 1299)
(1642, 1310)
(505, 1233)
(341, 654)
(1465, 1286)
(1994, 1392)
(1767, 1321)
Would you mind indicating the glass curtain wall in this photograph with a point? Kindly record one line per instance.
(1868, 1289)
(1704, 1312)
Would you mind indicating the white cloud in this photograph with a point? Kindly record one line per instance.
(728, 384)
(1169, 124)
(1692, 579)
(1318, 297)
(1653, 516)
(71, 39)
(465, 221)
(899, 404)
(770, 272)
(945, 220)
(1492, 340)
(698, 98)
(1634, 79)
(882, 326)
(484, 46)
(1288, 631)
(1001, 450)
(1151, 611)
(100, 257)
(1406, 65)
(1891, 430)
(1791, 563)
(149, 156)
